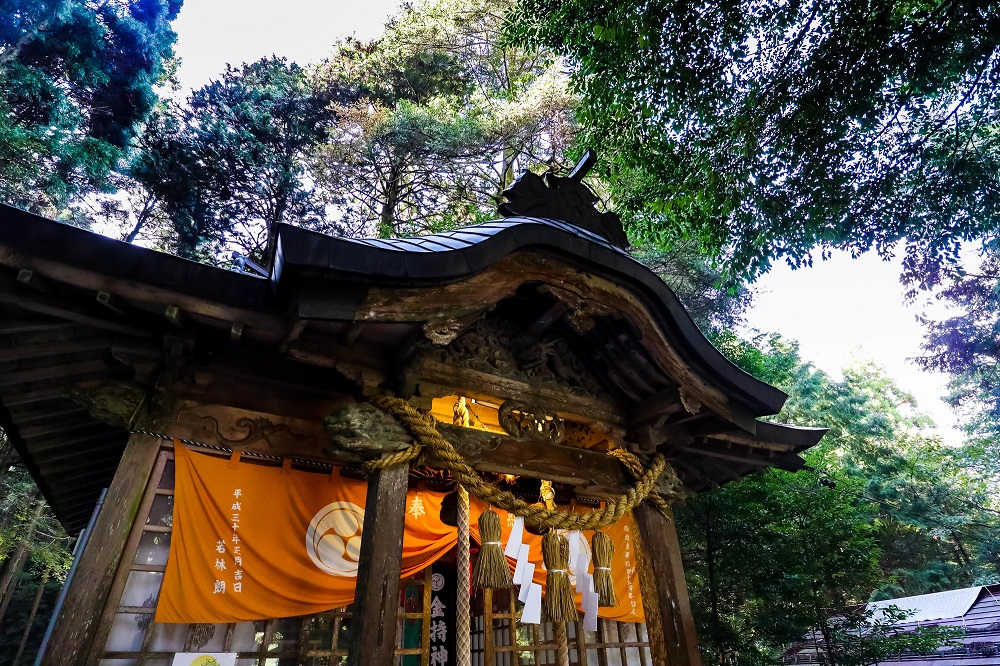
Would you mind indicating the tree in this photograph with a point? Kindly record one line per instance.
(766, 130)
(886, 511)
(76, 79)
(449, 114)
(34, 558)
(869, 636)
(231, 163)
(715, 301)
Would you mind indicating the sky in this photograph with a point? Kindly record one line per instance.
(839, 310)
(843, 310)
(212, 33)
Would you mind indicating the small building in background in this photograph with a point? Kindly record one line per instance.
(973, 610)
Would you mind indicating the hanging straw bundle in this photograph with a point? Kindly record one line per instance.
(558, 603)
(603, 549)
(491, 569)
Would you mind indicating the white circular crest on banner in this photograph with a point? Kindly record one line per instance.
(437, 582)
(333, 539)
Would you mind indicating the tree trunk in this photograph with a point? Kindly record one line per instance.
(9, 581)
(31, 618)
(387, 217)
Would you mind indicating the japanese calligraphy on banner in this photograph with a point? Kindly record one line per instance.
(443, 602)
(253, 542)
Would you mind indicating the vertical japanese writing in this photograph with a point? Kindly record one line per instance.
(236, 508)
(442, 620)
(630, 570)
(223, 565)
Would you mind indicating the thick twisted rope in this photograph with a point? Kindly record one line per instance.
(634, 466)
(463, 611)
(425, 433)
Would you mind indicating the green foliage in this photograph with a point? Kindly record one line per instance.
(887, 511)
(714, 302)
(75, 77)
(27, 525)
(229, 164)
(446, 116)
(766, 130)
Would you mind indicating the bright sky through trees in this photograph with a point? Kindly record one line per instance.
(211, 33)
(839, 309)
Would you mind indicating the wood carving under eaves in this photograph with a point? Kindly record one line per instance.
(530, 422)
(364, 429)
(257, 428)
(115, 402)
(501, 348)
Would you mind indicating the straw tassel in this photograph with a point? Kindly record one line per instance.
(558, 604)
(491, 571)
(603, 550)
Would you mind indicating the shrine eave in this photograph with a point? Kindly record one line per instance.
(454, 255)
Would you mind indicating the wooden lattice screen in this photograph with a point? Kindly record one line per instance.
(511, 643)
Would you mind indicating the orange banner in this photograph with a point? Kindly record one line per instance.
(254, 542)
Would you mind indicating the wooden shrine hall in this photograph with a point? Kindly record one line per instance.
(565, 380)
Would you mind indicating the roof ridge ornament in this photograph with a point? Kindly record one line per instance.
(564, 198)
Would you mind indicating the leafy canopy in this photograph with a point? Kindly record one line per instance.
(75, 79)
(764, 130)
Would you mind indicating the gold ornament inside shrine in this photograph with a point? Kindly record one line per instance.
(523, 367)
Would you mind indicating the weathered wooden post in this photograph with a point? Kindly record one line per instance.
(76, 626)
(373, 624)
(365, 429)
(664, 592)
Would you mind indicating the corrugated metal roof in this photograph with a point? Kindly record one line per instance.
(936, 606)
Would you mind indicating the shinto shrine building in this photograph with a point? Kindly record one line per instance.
(216, 436)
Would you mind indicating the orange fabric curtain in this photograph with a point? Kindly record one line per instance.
(254, 542)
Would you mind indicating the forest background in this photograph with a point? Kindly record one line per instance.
(732, 136)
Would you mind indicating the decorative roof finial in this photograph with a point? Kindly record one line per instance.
(564, 198)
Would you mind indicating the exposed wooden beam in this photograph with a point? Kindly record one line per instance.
(57, 426)
(38, 350)
(376, 597)
(67, 373)
(19, 398)
(18, 326)
(547, 319)
(24, 417)
(475, 384)
(111, 302)
(60, 448)
(54, 306)
(745, 455)
(592, 473)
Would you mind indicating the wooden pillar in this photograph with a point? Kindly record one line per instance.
(87, 594)
(664, 592)
(376, 598)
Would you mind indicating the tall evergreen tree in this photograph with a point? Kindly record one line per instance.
(75, 79)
